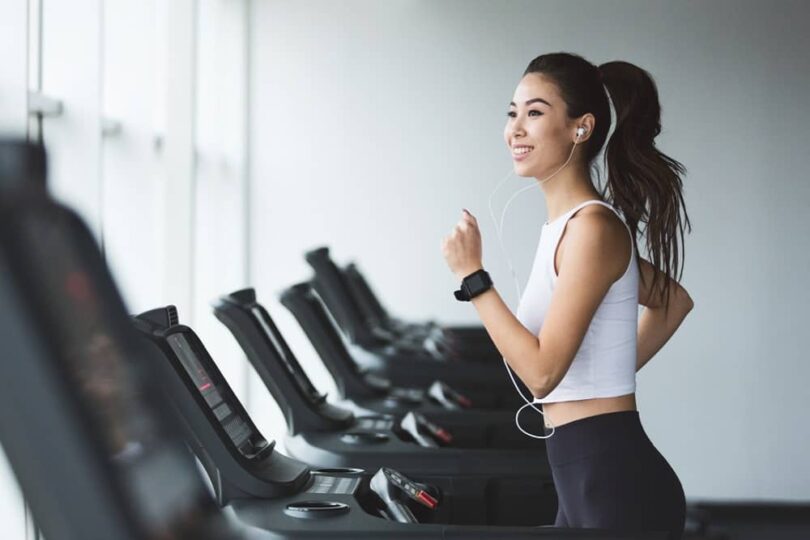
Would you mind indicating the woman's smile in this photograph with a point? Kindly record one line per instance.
(521, 151)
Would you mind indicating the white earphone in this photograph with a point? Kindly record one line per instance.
(581, 131)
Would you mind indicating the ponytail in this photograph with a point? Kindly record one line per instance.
(644, 183)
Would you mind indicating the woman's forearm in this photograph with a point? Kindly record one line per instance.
(655, 327)
(516, 344)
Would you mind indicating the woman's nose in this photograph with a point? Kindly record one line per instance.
(516, 129)
(516, 132)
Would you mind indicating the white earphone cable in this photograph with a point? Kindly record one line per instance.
(499, 232)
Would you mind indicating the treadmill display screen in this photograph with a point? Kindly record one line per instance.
(89, 326)
(238, 429)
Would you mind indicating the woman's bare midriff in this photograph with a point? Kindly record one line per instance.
(563, 412)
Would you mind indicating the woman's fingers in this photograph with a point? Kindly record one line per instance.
(462, 247)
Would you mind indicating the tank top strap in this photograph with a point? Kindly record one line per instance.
(603, 203)
(567, 215)
(590, 202)
(583, 204)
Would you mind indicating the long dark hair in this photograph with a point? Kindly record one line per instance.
(642, 182)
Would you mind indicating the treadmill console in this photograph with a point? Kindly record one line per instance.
(240, 462)
(238, 427)
(304, 408)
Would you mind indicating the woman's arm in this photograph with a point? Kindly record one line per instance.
(656, 324)
(588, 267)
(517, 345)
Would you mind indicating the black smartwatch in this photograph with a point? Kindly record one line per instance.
(471, 286)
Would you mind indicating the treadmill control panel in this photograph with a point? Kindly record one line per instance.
(403, 500)
(237, 428)
(447, 397)
(423, 431)
(441, 434)
(416, 492)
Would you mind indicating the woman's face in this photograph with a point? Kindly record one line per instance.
(538, 132)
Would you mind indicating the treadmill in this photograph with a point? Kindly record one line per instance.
(358, 383)
(237, 457)
(460, 340)
(238, 460)
(323, 434)
(93, 455)
(405, 362)
(250, 324)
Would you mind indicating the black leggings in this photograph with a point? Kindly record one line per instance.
(609, 475)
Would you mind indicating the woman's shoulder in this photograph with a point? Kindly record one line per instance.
(598, 217)
(597, 224)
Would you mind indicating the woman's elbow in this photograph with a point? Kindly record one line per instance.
(685, 300)
(686, 306)
(541, 387)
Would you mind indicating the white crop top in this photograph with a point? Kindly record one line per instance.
(605, 364)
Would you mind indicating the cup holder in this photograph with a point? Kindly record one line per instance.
(364, 437)
(338, 471)
(316, 509)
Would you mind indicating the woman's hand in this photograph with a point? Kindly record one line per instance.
(462, 248)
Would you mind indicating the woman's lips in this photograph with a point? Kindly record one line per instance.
(521, 156)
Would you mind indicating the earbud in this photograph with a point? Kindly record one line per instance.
(581, 131)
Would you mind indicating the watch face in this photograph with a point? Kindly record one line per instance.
(476, 282)
(473, 285)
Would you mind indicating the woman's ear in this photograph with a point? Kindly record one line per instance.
(584, 128)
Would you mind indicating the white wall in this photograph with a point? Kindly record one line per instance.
(220, 218)
(374, 123)
(14, 71)
(71, 73)
(132, 179)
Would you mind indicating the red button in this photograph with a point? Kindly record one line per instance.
(465, 402)
(444, 435)
(427, 500)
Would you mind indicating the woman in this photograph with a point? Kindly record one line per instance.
(577, 340)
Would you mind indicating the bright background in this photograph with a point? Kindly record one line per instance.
(210, 142)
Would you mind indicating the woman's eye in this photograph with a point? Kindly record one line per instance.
(511, 114)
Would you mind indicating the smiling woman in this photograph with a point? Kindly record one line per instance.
(576, 340)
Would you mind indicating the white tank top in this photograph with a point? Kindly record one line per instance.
(605, 364)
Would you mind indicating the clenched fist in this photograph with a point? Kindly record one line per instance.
(462, 248)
